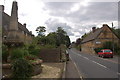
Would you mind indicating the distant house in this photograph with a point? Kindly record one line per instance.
(12, 30)
(97, 37)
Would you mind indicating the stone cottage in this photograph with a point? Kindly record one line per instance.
(12, 30)
(97, 37)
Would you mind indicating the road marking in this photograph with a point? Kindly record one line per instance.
(106, 59)
(86, 58)
(118, 73)
(101, 58)
(99, 64)
(77, 69)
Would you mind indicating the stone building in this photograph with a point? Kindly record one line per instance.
(97, 37)
(13, 31)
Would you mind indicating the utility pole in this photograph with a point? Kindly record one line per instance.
(112, 37)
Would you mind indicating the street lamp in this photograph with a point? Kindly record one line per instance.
(112, 38)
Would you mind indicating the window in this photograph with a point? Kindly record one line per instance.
(107, 51)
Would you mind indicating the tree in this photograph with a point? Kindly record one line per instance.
(117, 31)
(40, 30)
(52, 37)
(68, 43)
(61, 36)
(78, 41)
(109, 45)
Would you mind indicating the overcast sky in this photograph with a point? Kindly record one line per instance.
(76, 18)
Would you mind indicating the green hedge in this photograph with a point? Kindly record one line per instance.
(98, 49)
(4, 53)
(19, 53)
(22, 69)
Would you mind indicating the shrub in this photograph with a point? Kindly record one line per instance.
(22, 69)
(18, 53)
(98, 49)
(109, 45)
(5, 53)
(30, 57)
(34, 51)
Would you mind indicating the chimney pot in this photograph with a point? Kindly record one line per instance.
(105, 25)
(24, 24)
(31, 32)
(93, 29)
(2, 8)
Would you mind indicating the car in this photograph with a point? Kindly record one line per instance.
(105, 53)
(70, 47)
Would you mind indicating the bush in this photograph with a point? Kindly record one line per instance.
(98, 49)
(30, 57)
(18, 53)
(5, 53)
(33, 49)
(109, 45)
(34, 52)
(22, 69)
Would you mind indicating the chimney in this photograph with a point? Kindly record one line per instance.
(105, 25)
(24, 25)
(14, 17)
(93, 29)
(31, 32)
(2, 8)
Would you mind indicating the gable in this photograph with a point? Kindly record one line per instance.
(103, 33)
(107, 33)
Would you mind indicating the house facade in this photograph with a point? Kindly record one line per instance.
(97, 37)
(12, 30)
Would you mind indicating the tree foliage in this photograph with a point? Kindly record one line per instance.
(55, 38)
(40, 30)
(111, 45)
(117, 31)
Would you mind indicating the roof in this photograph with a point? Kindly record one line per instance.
(92, 35)
(6, 21)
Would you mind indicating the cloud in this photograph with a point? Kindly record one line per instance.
(53, 24)
(76, 18)
(95, 11)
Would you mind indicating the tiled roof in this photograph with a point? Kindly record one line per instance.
(92, 35)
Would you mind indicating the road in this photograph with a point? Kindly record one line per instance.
(92, 66)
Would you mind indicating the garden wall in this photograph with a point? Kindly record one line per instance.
(50, 55)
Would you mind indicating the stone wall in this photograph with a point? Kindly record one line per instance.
(105, 35)
(50, 55)
(88, 47)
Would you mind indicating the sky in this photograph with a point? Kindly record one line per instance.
(75, 17)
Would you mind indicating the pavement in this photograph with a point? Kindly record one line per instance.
(83, 66)
(71, 72)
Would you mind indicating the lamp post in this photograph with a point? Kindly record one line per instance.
(112, 38)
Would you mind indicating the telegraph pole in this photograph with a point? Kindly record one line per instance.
(112, 37)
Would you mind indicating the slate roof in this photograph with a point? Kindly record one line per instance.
(92, 35)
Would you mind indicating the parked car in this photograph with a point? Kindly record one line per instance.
(70, 47)
(105, 53)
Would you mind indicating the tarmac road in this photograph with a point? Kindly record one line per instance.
(92, 66)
